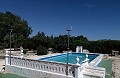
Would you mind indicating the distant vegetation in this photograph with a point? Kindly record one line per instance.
(41, 50)
(59, 43)
(21, 32)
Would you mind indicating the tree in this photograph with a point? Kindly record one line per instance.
(20, 28)
(60, 43)
(41, 50)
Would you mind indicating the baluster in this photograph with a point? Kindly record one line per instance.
(31, 64)
(14, 61)
(59, 70)
(17, 62)
(52, 68)
(35, 65)
(21, 62)
(70, 70)
(38, 66)
(49, 68)
(24, 63)
(56, 69)
(11, 61)
(41, 66)
(64, 70)
(44, 67)
(28, 64)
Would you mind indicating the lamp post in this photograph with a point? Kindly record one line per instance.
(10, 45)
(69, 28)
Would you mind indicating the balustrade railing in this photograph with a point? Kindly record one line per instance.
(44, 65)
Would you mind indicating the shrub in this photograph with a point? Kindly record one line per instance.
(25, 51)
(41, 50)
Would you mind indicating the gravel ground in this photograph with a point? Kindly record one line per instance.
(115, 67)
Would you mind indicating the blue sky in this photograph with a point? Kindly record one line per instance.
(94, 19)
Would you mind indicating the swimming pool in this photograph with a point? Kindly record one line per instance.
(62, 58)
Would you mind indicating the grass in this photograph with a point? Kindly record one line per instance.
(107, 64)
(10, 76)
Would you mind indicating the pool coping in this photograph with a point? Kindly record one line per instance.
(94, 62)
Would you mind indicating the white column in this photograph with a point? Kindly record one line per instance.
(87, 60)
(104, 73)
(21, 49)
(77, 49)
(77, 70)
(6, 58)
(81, 49)
(21, 55)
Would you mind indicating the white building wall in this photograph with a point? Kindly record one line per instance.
(79, 49)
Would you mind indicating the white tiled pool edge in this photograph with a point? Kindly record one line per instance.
(96, 61)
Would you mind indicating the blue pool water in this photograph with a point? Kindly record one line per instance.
(71, 59)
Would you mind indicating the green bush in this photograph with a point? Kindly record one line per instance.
(25, 51)
(41, 50)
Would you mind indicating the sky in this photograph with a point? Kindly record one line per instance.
(94, 19)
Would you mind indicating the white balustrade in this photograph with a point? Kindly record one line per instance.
(43, 65)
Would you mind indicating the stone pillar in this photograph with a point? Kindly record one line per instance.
(87, 60)
(77, 49)
(77, 69)
(6, 58)
(21, 54)
(81, 49)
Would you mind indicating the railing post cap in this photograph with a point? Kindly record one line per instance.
(7, 52)
(86, 55)
(77, 61)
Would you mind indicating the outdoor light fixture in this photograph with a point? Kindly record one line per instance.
(10, 44)
(68, 29)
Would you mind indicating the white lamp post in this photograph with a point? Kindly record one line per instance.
(10, 45)
(69, 28)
